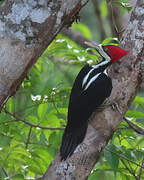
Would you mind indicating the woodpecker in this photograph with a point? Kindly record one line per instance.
(90, 89)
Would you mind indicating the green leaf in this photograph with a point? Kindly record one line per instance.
(18, 177)
(4, 140)
(33, 119)
(109, 41)
(111, 157)
(83, 29)
(42, 109)
(43, 139)
(103, 9)
(44, 155)
(134, 114)
(20, 151)
(138, 155)
(139, 100)
(123, 4)
(129, 154)
(36, 166)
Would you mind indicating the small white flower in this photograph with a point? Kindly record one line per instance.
(90, 61)
(82, 58)
(60, 40)
(69, 46)
(45, 98)
(37, 97)
(76, 51)
(53, 93)
(24, 167)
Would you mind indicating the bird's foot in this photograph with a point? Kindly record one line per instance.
(105, 104)
(113, 104)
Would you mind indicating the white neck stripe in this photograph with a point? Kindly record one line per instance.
(93, 67)
(103, 53)
(100, 64)
(86, 77)
(91, 81)
(107, 60)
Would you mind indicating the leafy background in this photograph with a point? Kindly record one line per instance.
(32, 122)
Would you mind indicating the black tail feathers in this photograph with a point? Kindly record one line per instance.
(71, 139)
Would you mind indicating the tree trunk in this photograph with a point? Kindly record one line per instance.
(26, 29)
(126, 76)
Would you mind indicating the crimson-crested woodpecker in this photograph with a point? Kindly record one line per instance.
(91, 87)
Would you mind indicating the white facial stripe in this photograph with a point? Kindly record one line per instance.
(103, 54)
(86, 77)
(107, 60)
(100, 64)
(105, 72)
(91, 81)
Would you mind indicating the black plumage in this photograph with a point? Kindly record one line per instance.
(91, 87)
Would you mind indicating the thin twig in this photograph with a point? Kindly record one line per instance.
(4, 171)
(31, 124)
(131, 172)
(123, 157)
(134, 126)
(54, 105)
(28, 138)
(140, 172)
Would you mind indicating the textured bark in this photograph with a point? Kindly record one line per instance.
(127, 77)
(27, 27)
(115, 20)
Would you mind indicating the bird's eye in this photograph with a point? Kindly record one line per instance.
(105, 48)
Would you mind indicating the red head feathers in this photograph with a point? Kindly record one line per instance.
(114, 52)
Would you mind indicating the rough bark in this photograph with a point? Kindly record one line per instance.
(27, 27)
(127, 76)
(115, 20)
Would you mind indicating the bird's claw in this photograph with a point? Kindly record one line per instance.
(114, 106)
(108, 103)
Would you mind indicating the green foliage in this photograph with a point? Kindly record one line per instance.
(124, 4)
(27, 146)
(103, 9)
(83, 29)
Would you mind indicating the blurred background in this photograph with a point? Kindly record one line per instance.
(32, 122)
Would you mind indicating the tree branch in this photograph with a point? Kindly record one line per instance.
(115, 20)
(26, 29)
(126, 77)
(28, 138)
(134, 126)
(31, 124)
